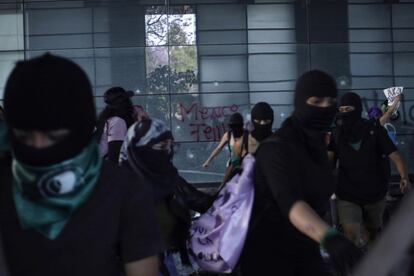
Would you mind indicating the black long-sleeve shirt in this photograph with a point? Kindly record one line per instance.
(285, 173)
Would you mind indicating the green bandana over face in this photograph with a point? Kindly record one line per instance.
(46, 197)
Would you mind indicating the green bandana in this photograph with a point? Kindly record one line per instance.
(46, 197)
(356, 146)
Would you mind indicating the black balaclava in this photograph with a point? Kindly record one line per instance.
(351, 122)
(314, 83)
(262, 111)
(314, 121)
(236, 125)
(49, 93)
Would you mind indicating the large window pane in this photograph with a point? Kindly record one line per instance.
(7, 62)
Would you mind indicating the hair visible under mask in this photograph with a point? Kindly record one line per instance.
(262, 111)
(45, 94)
(119, 104)
(236, 125)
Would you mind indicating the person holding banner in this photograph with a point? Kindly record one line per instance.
(362, 149)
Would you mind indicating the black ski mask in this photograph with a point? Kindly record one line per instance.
(351, 122)
(45, 94)
(236, 125)
(314, 84)
(262, 112)
(313, 121)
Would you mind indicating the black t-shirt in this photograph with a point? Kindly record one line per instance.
(285, 173)
(116, 225)
(363, 174)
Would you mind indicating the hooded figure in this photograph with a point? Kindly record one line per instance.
(57, 179)
(148, 150)
(314, 121)
(262, 118)
(58, 194)
(293, 184)
(148, 147)
(314, 84)
(350, 123)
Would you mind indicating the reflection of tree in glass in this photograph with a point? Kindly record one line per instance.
(163, 79)
(171, 61)
(175, 28)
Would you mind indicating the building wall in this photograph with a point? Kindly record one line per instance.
(243, 52)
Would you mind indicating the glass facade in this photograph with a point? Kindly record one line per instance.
(193, 63)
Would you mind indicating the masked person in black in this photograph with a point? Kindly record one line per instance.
(114, 121)
(64, 211)
(362, 148)
(293, 184)
(148, 151)
(262, 119)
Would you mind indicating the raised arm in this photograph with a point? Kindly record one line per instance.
(224, 140)
(387, 115)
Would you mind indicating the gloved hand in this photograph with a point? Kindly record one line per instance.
(343, 254)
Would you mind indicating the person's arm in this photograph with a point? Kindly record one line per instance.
(401, 166)
(224, 140)
(387, 115)
(276, 162)
(304, 218)
(145, 267)
(117, 130)
(388, 148)
(278, 165)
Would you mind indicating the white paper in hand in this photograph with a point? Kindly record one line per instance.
(391, 93)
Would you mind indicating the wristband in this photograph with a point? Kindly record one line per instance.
(329, 234)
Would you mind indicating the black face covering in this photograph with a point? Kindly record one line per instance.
(313, 121)
(157, 166)
(156, 161)
(314, 84)
(316, 118)
(45, 94)
(351, 122)
(263, 112)
(236, 130)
